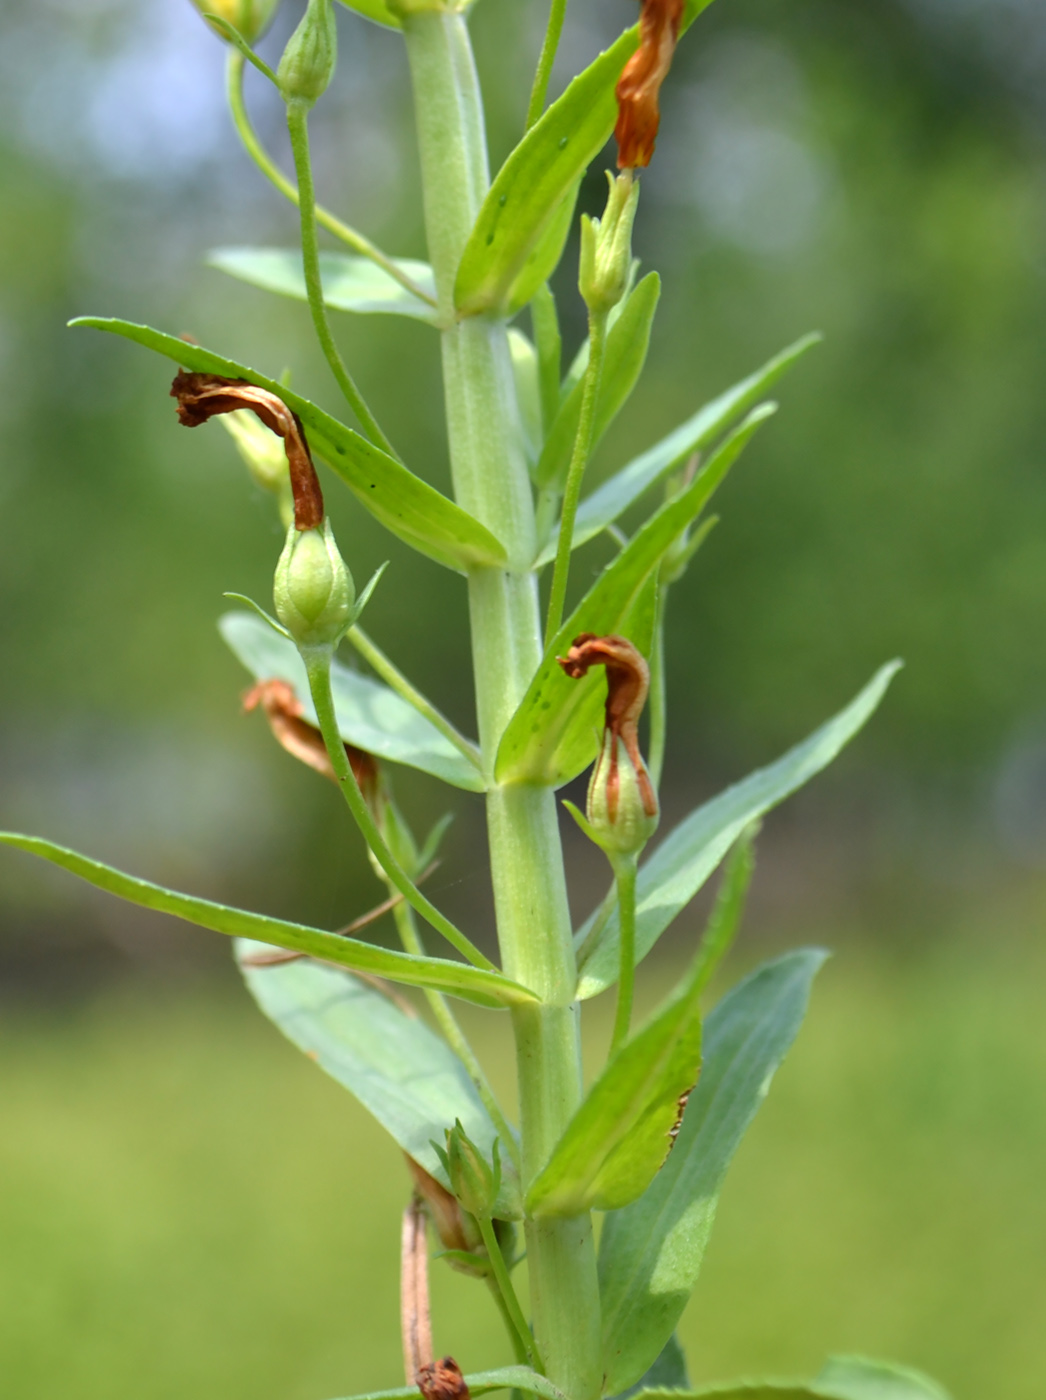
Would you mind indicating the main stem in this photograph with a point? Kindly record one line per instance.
(490, 481)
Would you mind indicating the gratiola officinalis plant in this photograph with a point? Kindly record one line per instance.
(567, 674)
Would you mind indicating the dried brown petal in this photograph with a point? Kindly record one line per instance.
(442, 1208)
(415, 1317)
(442, 1381)
(639, 86)
(284, 712)
(203, 396)
(628, 680)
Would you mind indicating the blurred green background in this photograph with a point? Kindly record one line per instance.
(185, 1206)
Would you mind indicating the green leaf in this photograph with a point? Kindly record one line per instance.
(379, 12)
(458, 979)
(370, 715)
(740, 1390)
(610, 500)
(626, 349)
(685, 859)
(858, 1378)
(530, 188)
(554, 733)
(401, 1071)
(650, 1253)
(620, 1136)
(481, 1383)
(843, 1378)
(544, 257)
(350, 283)
(410, 508)
(667, 1373)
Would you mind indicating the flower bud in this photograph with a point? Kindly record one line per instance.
(313, 589)
(622, 809)
(250, 17)
(474, 1182)
(622, 812)
(606, 245)
(307, 65)
(264, 457)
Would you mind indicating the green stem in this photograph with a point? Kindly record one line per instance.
(519, 1351)
(597, 325)
(318, 668)
(625, 875)
(298, 126)
(397, 681)
(538, 93)
(453, 1034)
(272, 172)
(526, 859)
(508, 1293)
(656, 698)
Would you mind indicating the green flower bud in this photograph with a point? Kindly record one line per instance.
(307, 65)
(250, 17)
(472, 1179)
(622, 810)
(313, 589)
(606, 245)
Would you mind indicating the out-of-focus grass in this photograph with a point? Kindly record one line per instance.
(189, 1208)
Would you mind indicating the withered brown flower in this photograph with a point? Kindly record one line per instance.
(639, 86)
(442, 1381)
(284, 712)
(628, 680)
(203, 396)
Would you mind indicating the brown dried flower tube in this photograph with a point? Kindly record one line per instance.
(628, 680)
(639, 86)
(203, 396)
(285, 712)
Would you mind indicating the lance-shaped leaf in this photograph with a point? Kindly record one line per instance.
(668, 1372)
(611, 499)
(621, 1134)
(537, 177)
(690, 853)
(401, 1071)
(544, 257)
(740, 1390)
(626, 350)
(530, 187)
(410, 508)
(458, 979)
(843, 1378)
(553, 734)
(370, 715)
(481, 1383)
(650, 1253)
(350, 283)
(859, 1378)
